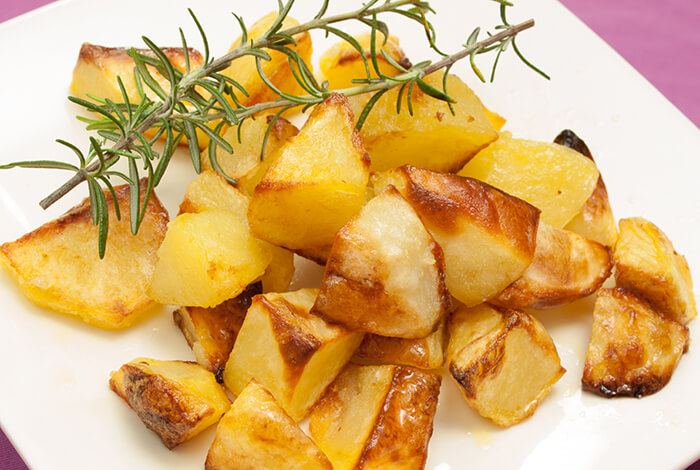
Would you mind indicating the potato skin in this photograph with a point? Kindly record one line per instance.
(405, 425)
(175, 399)
(634, 349)
(566, 267)
(211, 332)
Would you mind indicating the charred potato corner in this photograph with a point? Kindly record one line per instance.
(440, 239)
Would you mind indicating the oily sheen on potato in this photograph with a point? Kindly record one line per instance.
(487, 236)
(316, 184)
(385, 273)
(291, 352)
(503, 361)
(176, 400)
(256, 433)
(431, 138)
(633, 349)
(374, 417)
(566, 267)
(57, 265)
(551, 177)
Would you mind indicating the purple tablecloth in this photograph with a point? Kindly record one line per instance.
(660, 39)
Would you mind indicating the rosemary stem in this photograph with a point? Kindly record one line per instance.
(188, 81)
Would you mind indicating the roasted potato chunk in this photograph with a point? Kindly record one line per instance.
(257, 434)
(647, 265)
(277, 69)
(342, 62)
(245, 162)
(432, 137)
(496, 120)
(486, 235)
(206, 258)
(551, 177)
(633, 349)
(293, 353)
(57, 266)
(566, 267)
(211, 332)
(211, 191)
(595, 221)
(176, 400)
(503, 360)
(96, 71)
(426, 353)
(385, 273)
(98, 67)
(317, 183)
(374, 417)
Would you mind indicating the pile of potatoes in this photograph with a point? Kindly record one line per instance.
(436, 231)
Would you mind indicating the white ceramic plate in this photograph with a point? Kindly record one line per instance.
(55, 404)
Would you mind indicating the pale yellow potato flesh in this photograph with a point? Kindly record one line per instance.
(57, 266)
(385, 273)
(211, 332)
(293, 353)
(206, 258)
(248, 158)
(256, 434)
(342, 63)
(315, 185)
(277, 69)
(551, 177)
(374, 417)
(176, 400)
(503, 360)
(487, 236)
(633, 349)
(209, 191)
(647, 265)
(433, 138)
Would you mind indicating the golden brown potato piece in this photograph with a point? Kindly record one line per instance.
(277, 69)
(211, 332)
(342, 62)
(176, 400)
(98, 67)
(293, 353)
(317, 183)
(57, 266)
(245, 160)
(503, 360)
(426, 353)
(566, 267)
(647, 265)
(633, 349)
(206, 258)
(211, 191)
(257, 434)
(374, 417)
(385, 273)
(432, 138)
(595, 221)
(551, 177)
(486, 235)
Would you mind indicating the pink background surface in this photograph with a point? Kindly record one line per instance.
(660, 39)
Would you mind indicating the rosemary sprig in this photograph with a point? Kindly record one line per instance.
(183, 109)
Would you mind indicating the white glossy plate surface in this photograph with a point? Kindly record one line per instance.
(55, 404)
